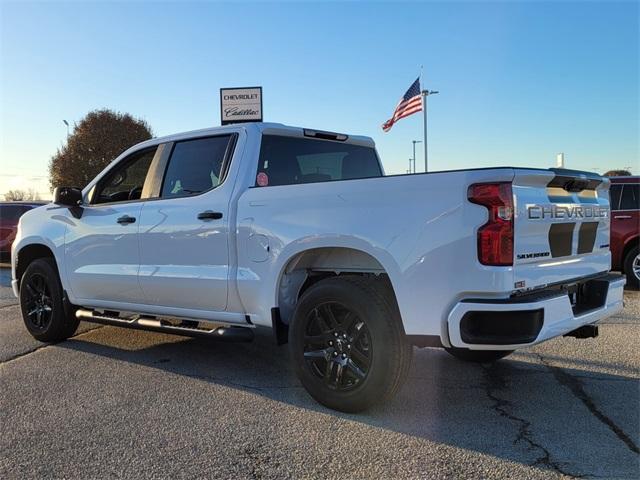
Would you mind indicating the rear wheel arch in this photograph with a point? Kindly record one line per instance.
(306, 268)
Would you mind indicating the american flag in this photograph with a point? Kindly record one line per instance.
(410, 103)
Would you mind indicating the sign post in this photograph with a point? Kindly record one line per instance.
(239, 105)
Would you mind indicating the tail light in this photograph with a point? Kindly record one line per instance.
(495, 238)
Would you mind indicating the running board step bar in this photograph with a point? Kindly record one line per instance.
(140, 322)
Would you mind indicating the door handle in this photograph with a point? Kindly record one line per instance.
(126, 219)
(209, 215)
(622, 217)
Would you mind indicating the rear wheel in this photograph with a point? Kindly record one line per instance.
(632, 267)
(42, 304)
(478, 356)
(348, 344)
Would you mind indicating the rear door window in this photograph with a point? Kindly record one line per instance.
(630, 199)
(196, 166)
(293, 160)
(614, 196)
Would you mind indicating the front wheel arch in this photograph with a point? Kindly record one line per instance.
(27, 254)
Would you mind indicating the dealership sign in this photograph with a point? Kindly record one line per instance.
(239, 105)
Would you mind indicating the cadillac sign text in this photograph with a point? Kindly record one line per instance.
(239, 105)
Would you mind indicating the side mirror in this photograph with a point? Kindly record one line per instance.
(67, 196)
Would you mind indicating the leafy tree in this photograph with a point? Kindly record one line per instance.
(97, 140)
(617, 173)
(21, 195)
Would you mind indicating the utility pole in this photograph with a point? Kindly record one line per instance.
(414, 153)
(425, 94)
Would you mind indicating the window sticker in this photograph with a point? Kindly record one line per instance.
(262, 179)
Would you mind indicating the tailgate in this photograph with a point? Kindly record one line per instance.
(561, 226)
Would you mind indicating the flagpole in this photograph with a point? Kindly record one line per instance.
(425, 94)
(424, 123)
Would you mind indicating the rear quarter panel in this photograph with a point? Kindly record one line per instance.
(420, 228)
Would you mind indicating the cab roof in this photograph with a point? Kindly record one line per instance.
(262, 127)
(625, 179)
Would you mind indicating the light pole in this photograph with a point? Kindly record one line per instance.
(414, 153)
(425, 94)
(67, 124)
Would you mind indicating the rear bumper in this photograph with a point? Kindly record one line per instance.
(508, 324)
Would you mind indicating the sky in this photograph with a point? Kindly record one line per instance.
(519, 82)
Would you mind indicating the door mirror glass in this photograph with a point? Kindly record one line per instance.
(68, 196)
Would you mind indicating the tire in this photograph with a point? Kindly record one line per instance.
(631, 262)
(42, 304)
(478, 356)
(347, 343)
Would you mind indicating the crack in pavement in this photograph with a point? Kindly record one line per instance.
(494, 380)
(44, 345)
(577, 389)
(606, 379)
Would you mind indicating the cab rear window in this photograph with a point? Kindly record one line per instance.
(293, 160)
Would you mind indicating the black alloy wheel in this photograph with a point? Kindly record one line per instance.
(42, 304)
(337, 346)
(347, 342)
(38, 302)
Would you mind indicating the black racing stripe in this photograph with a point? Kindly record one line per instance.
(587, 237)
(561, 239)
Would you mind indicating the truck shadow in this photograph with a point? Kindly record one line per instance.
(503, 410)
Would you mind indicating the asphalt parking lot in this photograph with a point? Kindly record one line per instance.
(121, 403)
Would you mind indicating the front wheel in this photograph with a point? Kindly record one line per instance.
(348, 344)
(478, 356)
(42, 304)
(632, 267)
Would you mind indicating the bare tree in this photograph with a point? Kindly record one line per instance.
(18, 195)
(15, 195)
(32, 194)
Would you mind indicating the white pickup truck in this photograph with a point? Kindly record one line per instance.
(219, 231)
